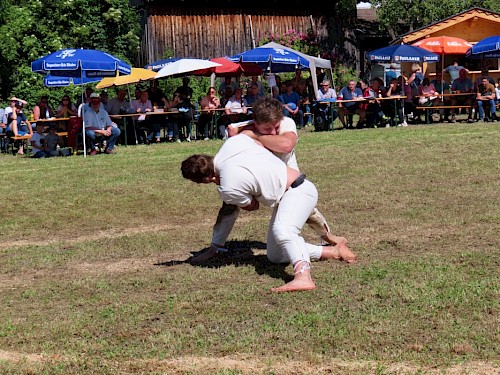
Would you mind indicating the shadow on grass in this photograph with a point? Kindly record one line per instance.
(240, 254)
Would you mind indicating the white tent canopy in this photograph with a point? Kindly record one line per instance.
(314, 62)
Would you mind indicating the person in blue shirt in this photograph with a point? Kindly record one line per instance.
(391, 74)
(97, 121)
(351, 92)
(291, 103)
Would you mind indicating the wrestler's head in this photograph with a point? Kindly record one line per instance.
(268, 113)
(199, 169)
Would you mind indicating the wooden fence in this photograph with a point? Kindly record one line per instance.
(214, 32)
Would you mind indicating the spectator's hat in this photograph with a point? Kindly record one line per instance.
(95, 95)
(16, 99)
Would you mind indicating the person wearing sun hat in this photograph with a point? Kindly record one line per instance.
(17, 124)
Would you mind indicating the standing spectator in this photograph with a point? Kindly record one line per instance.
(291, 104)
(209, 103)
(39, 147)
(97, 122)
(351, 92)
(485, 94)
(185, 91)
(391, 73)
(454, 70)
(228, 82)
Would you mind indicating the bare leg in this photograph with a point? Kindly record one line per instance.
(301, 281)
(334, 240)
(339, 252)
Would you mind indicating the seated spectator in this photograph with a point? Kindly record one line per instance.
(375, 113)
(262, 91)
(156, 95)
(252, 94)
(39, 147)
(305, 100)
(442, 87)
(485, 73)
(53, 141)
(228, 93)
(351, 92)
(235, 111)
(119, 104)
(399, 87)
(291, 104)
(275, 91)
(208, 104)
(485, 96)
(143, 105)
(42, 110)
(391, 73)
(427, 93)
(17, 124)
(462, 85)
(66, 108)
(98, 123)
(323, 114)
(180, 120)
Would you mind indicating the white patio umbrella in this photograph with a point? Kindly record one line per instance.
(184, 66)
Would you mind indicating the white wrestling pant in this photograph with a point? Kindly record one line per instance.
(284, 243)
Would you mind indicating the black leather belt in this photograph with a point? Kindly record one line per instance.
(298, 181)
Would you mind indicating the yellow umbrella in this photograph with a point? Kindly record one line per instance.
(135, 76)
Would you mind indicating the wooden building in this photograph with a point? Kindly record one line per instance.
(205, 29)
(472, 25)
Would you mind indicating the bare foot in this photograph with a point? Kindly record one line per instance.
(301, 281)
(340, 252)
(334, 240)
(203, 257)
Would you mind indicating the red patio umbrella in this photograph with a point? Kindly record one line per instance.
(444, 45)
(230, 69)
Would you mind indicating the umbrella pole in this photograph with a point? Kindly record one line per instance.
(83, 121)
(133, 122)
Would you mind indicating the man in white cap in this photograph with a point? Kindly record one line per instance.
(97, 122)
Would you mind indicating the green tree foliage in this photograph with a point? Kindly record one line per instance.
(401, 16)
(34, 28)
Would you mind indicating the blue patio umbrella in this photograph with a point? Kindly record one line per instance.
(78, 66)
(157, 65)
(401, 53)
(275, 60)
(488, 48)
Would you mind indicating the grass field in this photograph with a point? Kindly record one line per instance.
(94, 278)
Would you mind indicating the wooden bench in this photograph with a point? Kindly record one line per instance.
(428, 108)
(22, 139)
